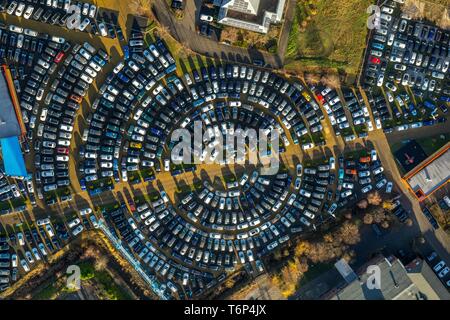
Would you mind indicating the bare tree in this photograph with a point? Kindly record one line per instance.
(363, 204)
(312, 78)
(142, 8)
(374, 198)
(368, 218)
(349, 233)
(101, 263)
(331, 80)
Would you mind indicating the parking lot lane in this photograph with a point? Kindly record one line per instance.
(436, 238)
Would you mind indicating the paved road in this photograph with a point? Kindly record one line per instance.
(184, 31)
(438, 239)
(289, 12)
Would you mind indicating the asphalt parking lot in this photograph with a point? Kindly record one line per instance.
(100, 123)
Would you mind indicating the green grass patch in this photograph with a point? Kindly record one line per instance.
(111, 290)
(49, 292)
(328, 33)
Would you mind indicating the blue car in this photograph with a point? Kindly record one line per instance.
(99, 61)
(444, 98)
(123, 78)
(428, 123)
(412, 109)
(83, 184)
(126, 51)
(378, 46)
(156, 131)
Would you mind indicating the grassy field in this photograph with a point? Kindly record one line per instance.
(328, 34)
(105, 286)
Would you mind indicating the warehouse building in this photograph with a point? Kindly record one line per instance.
(253, 15)
(415, 281)
(11, 127)
(431, 175)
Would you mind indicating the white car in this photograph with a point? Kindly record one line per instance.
(20, 9)
(207, 18)
(373, 155)
(58, 39)
(389, 187)
(15, 29)
(102, 29)
(85, 211)
(348, 185)
(28, 12)
(24, 265)
(380, 80)
(378, 123)
(84, 24)
(308, 146)
(119, 67)
(92, 11)
(366, 188)
(77, 230)
(167, 165)
(299, 170)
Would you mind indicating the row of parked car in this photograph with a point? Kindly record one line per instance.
(50, 98)
(213, 230)
(61, 13)
(20, 251)
(11, 190)
(125, 90)
(439, 267)
(152, 259)
(414, 54)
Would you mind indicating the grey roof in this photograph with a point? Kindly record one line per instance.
(345, 270)
(395, 283)
(433, 175)
(263, 7)
(426, 280)
(9, 126)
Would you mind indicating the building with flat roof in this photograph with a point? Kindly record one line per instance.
(11, 127)
(431, 175)
(426, 280)
(415, 281)
(394, 283)
(345, 271)
(253, 15)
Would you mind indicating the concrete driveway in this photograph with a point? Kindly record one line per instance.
(184, 31)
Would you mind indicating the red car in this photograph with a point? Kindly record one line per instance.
(320, 98)
(131, 202)
(59, 57)
(76, 98)
(63, 151)
(375, 60)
